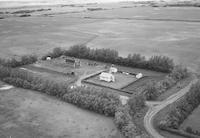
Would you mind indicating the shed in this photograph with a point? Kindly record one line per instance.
(48, 58)
(108, 77)
(139, 75)
(73, 62)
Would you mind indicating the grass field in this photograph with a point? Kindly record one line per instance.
(168, 31)
(192, 121)
(28, 114)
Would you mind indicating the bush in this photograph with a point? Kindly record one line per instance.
(93, 99)
(136, 103)
(151, 91)
(4, 72)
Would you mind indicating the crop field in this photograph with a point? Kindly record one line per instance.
(28, 114)
(140, 84)
(150, 31)
(192, 121)
(121, 80)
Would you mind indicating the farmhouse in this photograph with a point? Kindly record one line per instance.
(73, 62)
(108, 77)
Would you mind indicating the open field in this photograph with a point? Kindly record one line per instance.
(170, 31)
(28, 114)
(192, 121)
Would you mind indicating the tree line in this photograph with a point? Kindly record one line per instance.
(156, 63)
(123, 116)
(155, 89)
(182, 109)
(24, 60)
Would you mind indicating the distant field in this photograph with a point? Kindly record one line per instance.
(173, 32)
(28, 114)
(193, 120)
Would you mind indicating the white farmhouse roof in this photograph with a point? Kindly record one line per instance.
(107, 77)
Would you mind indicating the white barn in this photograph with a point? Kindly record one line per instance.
(108, 77)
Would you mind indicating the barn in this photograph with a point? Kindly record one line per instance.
(72, 62)
(108, 77)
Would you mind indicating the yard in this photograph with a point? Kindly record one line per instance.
(57, 70)
(29, 114)
(121, 80)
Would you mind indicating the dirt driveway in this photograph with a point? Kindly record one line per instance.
(29, 114)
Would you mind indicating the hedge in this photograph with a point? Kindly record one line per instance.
(183, 108)
(27, 59)
(155, 89)
(156, 63)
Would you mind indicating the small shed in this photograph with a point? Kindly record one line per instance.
(48, 58)
(139, 75)
(108, 77)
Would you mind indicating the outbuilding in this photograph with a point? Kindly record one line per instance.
(139, 75)
(48, 58)
(108, 77)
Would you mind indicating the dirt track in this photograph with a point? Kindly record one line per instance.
(156, 107)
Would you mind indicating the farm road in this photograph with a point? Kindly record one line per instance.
(155, 107)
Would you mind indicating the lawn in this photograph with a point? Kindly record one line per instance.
(28, 114)
(121, 80)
